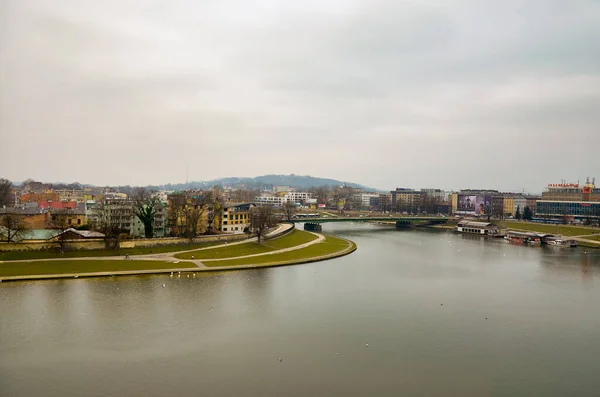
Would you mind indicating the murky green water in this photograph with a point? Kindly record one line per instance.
(443, 315)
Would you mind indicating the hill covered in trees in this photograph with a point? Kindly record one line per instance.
(265, 181)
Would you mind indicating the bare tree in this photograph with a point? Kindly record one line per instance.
(321, 193)
(61, 221)
(289, 209)
(245, 195)
(176, 204)
(104, 221)
(13, 228)
(261, 219)
(5, 191)
(144, 207)
(193, 211)
(214, 202)
(355, 202)
(186, 212)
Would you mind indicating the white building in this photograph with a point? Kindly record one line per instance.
(520, 203)
(267, 199)
(278, 201)
(438, 194)
(366, 199)
(297, 197)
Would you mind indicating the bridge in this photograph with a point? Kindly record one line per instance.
(314, 223)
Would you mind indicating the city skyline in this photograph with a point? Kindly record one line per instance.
(499, 95)
(366, 186)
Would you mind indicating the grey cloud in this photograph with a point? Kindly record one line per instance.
(385, 93)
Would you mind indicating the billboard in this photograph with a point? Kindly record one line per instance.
(473, 204)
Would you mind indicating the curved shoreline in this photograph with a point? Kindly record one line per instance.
(346, 251)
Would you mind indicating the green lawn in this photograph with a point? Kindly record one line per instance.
(329, 246)
(292, 239)
(565, 230)
(21, 255)
(84, 266)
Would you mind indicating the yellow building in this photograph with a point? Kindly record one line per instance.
(454, 202)
(509, 206)
(235, 217)
(182, 208)
(406, 200)
(70, 217)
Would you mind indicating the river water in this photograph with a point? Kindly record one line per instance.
(442, 314)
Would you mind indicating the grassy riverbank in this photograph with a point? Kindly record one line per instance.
(159, 249)
(8, 269)
(329, 247)
(297, 237)
(565, 230)
(232, 256)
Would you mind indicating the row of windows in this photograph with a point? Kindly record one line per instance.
(564, 208)
(241, 216)
(235, 222)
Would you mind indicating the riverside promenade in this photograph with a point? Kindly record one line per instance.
(190, 266)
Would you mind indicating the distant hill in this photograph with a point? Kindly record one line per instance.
(266, 181)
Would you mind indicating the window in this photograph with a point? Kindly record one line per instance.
(78, 221)
(224, 222)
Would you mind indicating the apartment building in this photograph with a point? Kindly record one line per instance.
(235, 217)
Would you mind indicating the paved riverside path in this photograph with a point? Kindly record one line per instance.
(170, 256)
(581, 239)
(190, 271)
(319, 239)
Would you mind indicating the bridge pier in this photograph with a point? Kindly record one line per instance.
(402, 224)
(313, 227)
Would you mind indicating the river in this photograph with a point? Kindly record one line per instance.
(442, 315)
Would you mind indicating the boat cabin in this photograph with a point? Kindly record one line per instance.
(482, 228)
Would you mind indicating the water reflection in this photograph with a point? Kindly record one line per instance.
(443, 314)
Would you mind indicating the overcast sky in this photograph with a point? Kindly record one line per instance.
(449, 94)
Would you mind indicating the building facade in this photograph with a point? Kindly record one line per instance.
(406, 200)
(235, 217)
(572, 192)
(509, 205)
(575, 209)
(385, 202)
(572, 200)
(269, 199)
(519, 203)
(498, 206)
(531, 202)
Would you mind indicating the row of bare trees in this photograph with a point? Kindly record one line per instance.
(188, 209)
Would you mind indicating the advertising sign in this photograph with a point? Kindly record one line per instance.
(473, 204)
(466, 204)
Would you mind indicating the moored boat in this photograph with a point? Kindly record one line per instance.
(562, 243)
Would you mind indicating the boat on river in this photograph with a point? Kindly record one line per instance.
(529, 238)
(562, 243)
